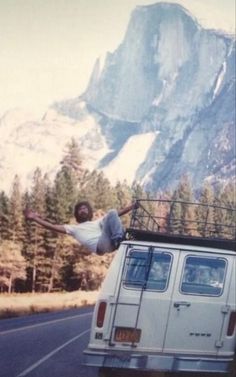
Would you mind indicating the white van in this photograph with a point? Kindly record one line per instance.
(168, 302)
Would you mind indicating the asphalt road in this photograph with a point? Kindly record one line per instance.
(52, 344)
(46, 345)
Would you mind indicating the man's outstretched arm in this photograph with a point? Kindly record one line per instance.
(125, 210)
(34, 216)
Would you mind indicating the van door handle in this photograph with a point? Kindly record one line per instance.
(181, 303)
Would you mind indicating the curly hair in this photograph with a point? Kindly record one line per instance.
(77, 207)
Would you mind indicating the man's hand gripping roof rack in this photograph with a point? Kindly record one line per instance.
(182, 222)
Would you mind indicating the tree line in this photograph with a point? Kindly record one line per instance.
(33, 259)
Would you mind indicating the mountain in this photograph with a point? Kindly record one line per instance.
(26, 144)
(162, 106)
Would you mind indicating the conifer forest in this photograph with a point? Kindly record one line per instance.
(33, 259)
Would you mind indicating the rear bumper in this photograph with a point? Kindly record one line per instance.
(158, 362)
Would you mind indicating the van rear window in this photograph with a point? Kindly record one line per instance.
(203, 276)
(148, 270)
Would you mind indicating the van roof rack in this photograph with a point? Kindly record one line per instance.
(182, 222)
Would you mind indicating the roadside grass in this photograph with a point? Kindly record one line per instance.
(19, 304)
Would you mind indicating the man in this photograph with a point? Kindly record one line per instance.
(99, 236)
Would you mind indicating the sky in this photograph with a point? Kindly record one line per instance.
(49, 47)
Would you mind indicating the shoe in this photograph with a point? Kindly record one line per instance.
(116, 242)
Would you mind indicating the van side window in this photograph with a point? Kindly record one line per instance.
(203, 276)
(148, 271)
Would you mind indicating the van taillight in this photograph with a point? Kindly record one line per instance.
(101, 313)
(232, 324)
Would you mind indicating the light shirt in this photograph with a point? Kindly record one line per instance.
(86, 233)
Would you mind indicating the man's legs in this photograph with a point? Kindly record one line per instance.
(112, 233)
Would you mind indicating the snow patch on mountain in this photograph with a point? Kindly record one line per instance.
(130, 157)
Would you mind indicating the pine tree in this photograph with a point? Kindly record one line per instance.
(146, 213)
(162, 209)
(174, 217)
(225, 218)
(182, 214)
(123, 194)
(12, 265)
(35, 251)
(122, 198)
(137, 191)
(88, 187)
(26, 200)
(52, 242)
(67, 182)
(103, 194)
(204, 212)
(16, 230)
(4, 216)
(68, 254)
(96, 189)
(73, 161)
(65, 194)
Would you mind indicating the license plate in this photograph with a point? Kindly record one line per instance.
(127, 335)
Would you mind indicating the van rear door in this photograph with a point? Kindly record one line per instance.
(143, 300)
(198, 308)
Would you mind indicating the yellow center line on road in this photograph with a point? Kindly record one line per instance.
(44, 323)
(50, 354)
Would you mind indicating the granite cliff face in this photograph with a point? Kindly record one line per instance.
(163, 104)
(176, 80)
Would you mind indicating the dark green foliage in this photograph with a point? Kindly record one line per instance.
(182, 215)
(35, 244)
(73, 161)
(67, 183)
(16, 230)
(205, 214)
(52, 240)
(225, 220)
(97, 190)
(4, 216)
(64, 193)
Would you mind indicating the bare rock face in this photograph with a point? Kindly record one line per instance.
(172, 77)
